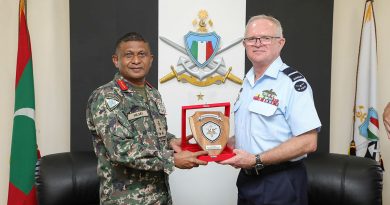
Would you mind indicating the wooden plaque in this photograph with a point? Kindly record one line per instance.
(210, 130)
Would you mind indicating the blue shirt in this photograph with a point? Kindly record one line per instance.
(275, 108)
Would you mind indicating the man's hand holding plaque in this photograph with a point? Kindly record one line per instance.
(210, 130)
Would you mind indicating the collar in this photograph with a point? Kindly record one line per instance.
(125, 85)
(272, 71)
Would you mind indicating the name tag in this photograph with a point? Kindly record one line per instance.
(136, 115)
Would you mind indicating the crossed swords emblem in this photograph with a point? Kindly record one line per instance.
(184, 64)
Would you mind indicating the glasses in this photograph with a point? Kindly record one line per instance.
(265, 40)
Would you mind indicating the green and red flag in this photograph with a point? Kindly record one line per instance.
(24, 150)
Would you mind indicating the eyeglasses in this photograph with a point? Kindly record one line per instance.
(265, 40)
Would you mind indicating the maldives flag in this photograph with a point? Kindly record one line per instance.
(24, 153)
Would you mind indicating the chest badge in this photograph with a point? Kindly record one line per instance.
(267, 96)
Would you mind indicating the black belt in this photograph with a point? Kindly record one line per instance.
(272, 168)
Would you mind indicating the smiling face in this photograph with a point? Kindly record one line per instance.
(133, 59)
(262, 55)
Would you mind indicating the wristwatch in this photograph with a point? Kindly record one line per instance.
(259, 164)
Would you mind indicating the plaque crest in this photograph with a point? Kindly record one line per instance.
(210, 130)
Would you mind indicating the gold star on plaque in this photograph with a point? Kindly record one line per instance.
(200, 96)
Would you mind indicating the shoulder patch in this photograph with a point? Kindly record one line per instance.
(293, 74)
(300, 86)
(111, 102)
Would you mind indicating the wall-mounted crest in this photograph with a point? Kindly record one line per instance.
(201, 62)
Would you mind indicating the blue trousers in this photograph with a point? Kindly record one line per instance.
(285, 187)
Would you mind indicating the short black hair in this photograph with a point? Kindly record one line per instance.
(131, 36)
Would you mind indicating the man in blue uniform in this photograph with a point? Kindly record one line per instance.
(276, 122)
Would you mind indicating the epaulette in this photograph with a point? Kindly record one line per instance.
(294, 75)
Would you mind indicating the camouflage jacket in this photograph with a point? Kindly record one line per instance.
(131, 142)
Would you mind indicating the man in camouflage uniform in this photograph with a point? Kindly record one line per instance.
(127, 120)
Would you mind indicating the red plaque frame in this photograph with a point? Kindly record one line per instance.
(225, 154)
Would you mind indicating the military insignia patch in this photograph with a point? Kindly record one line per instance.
(136, 115)
(293, 74)
(211, 130)
(111, 102)
(300, 86)
(267, 96)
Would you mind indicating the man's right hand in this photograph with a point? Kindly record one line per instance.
(187, 160)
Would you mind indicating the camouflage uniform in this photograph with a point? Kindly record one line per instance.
(131, 142)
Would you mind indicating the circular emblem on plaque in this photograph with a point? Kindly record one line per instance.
(211, 131)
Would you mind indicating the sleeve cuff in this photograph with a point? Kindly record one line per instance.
(168, 161)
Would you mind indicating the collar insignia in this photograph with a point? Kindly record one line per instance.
(122, 85)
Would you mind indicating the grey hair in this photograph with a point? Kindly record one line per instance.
(275, 21)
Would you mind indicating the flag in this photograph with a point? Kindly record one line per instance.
(24, 152)
(366, 124)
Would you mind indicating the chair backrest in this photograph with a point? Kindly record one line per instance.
(343, 180)
(68, 178)
(71, 178)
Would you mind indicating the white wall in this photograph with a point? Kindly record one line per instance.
(49, 30)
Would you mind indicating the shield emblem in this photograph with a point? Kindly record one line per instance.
(201, 47)
(210, 130)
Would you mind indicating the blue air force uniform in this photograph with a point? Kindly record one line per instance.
(268, 112)
(273, 109)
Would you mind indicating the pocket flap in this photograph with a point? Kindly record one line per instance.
(262, 108)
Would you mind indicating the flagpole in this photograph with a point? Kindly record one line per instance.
(352, 146)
